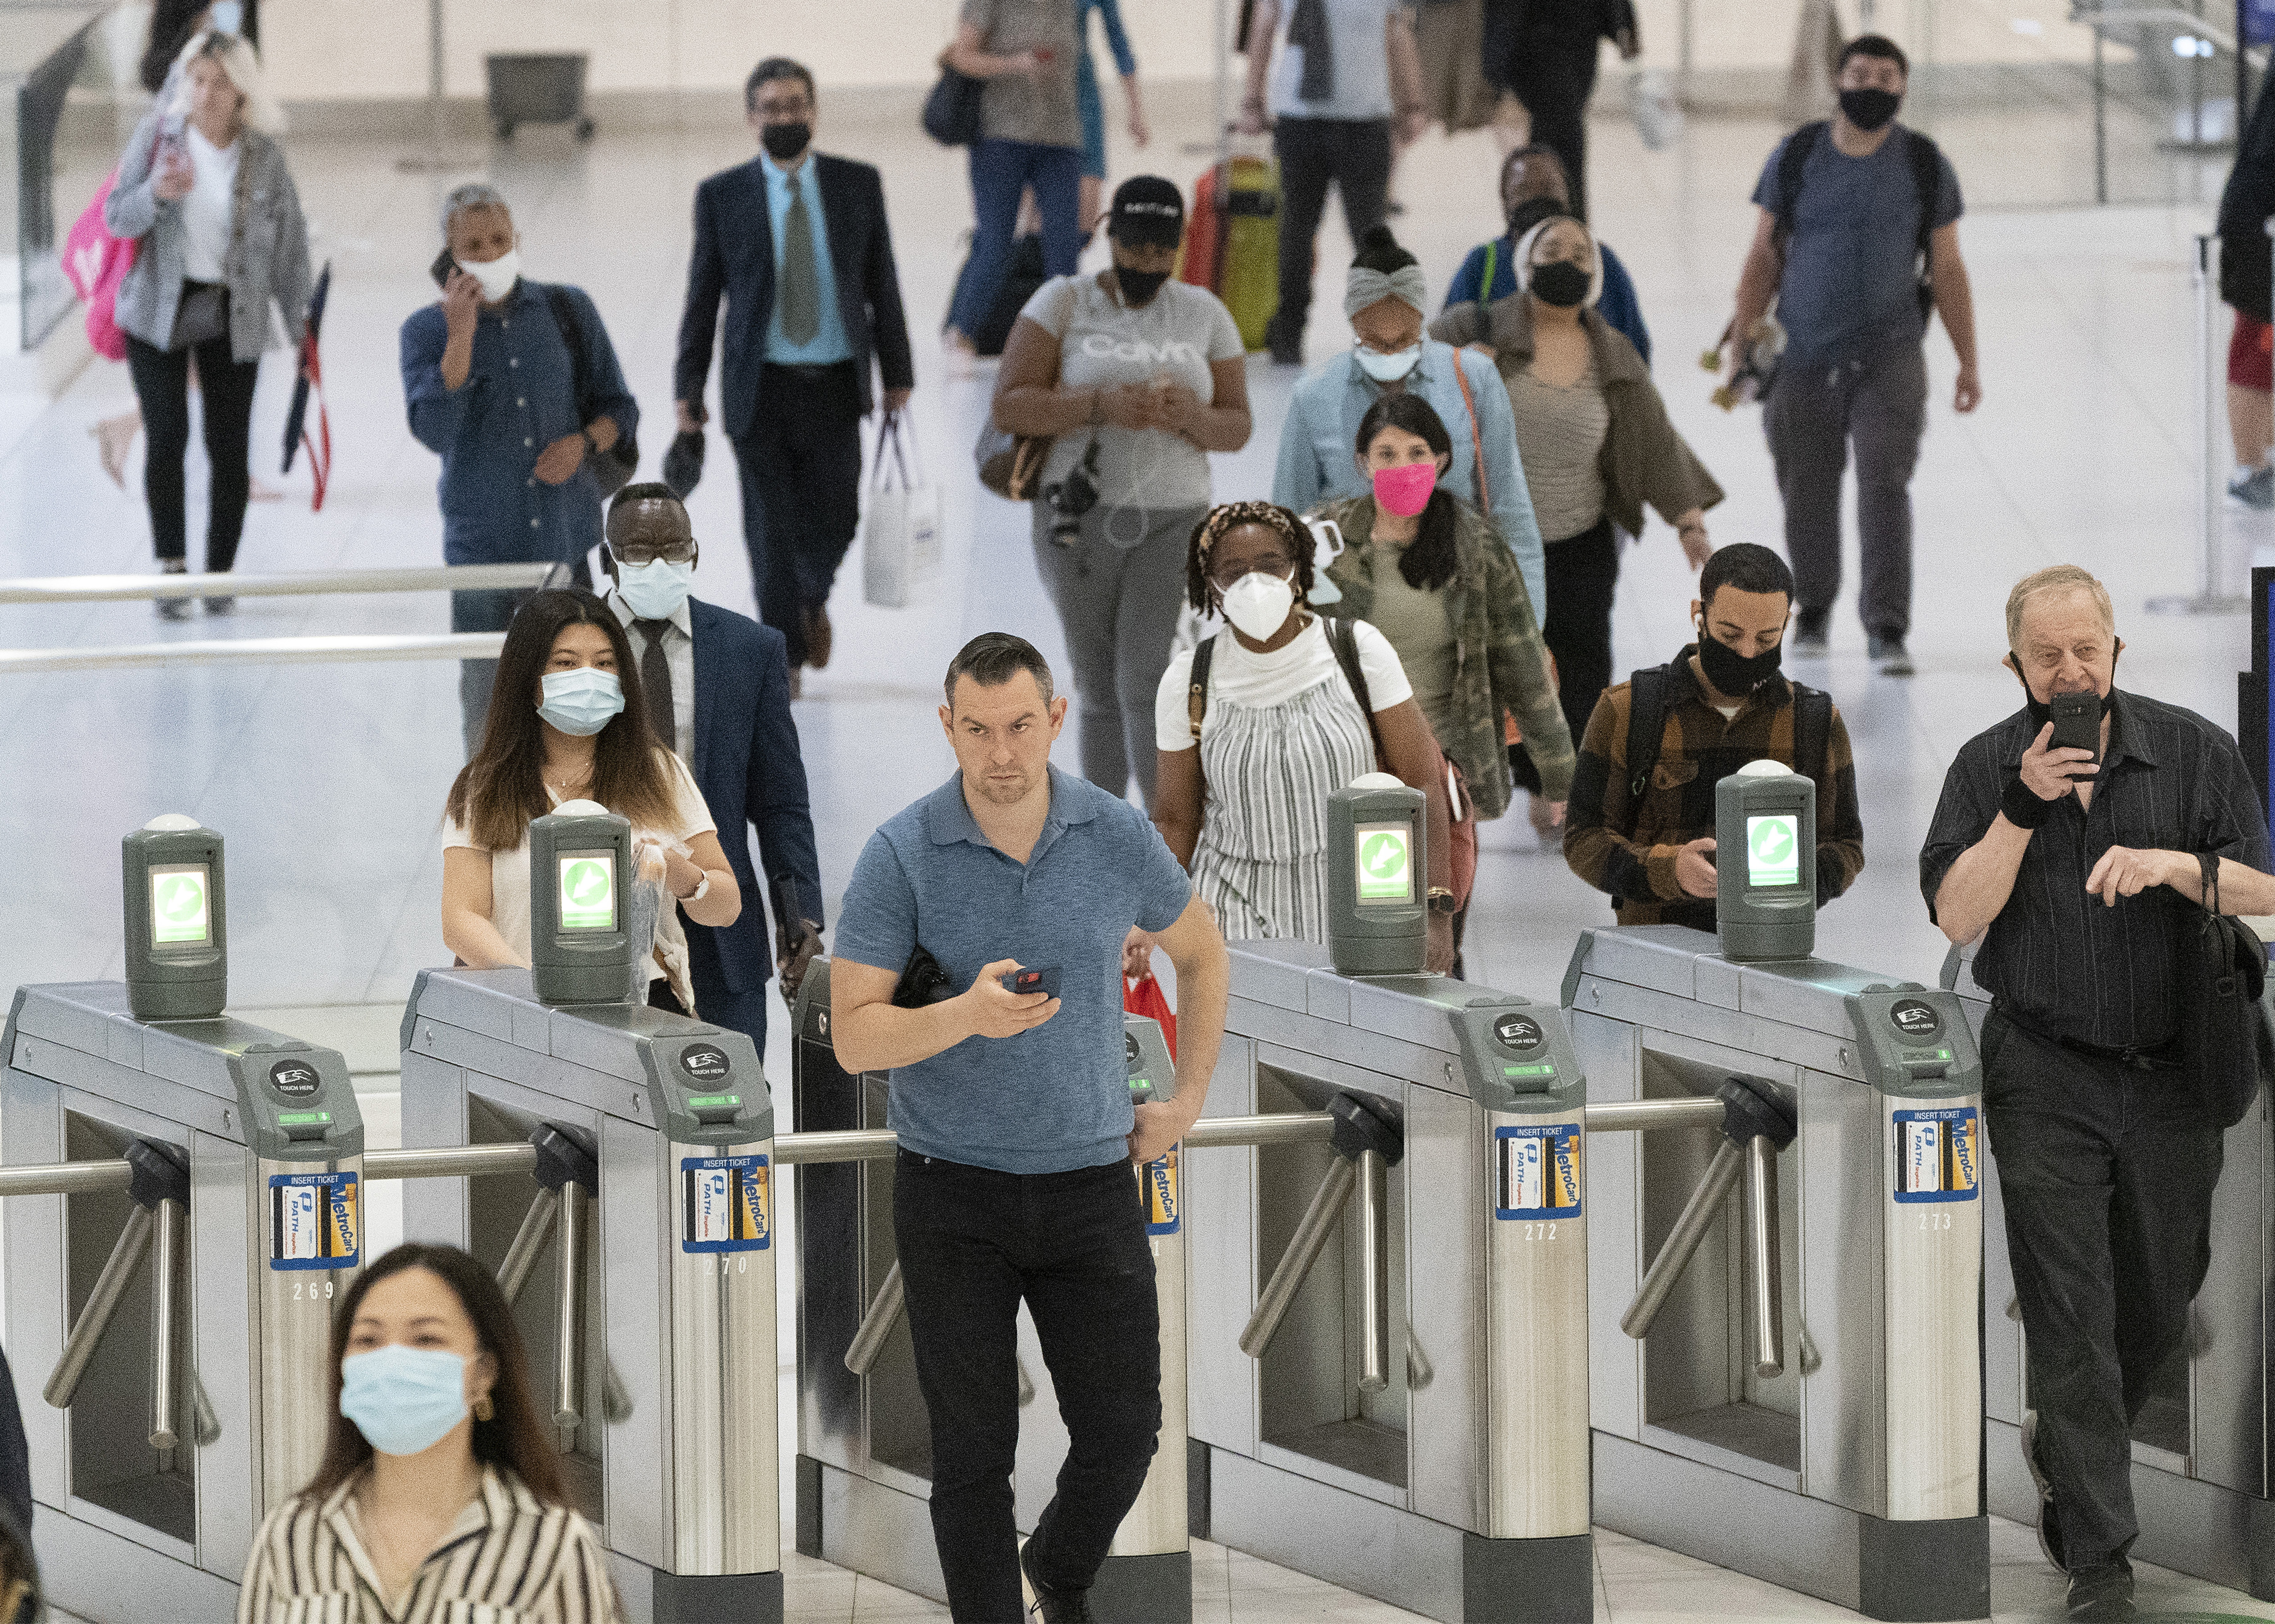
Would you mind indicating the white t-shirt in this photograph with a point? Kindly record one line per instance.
(1175, 335)
(509, 869)
(208, 209)
(1259, 682)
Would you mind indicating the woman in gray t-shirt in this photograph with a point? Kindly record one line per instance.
(1136, 378)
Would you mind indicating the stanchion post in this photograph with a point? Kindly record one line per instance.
(2211, 542)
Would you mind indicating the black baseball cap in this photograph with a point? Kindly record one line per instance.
(1147, 210)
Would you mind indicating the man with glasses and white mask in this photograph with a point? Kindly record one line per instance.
(489, 380)
(1384, 297)
(717, 688)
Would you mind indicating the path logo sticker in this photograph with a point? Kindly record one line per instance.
(1537, 1171)
(1386, 862)
(1773, 850)
(313, 1221)
(1939, 1154)
(725, 1205)
(588, 894)
(178, 905)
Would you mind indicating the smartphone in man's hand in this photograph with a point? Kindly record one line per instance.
(2077, 722)
(1042, 979)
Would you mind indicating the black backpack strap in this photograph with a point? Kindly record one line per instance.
(1646, 728)
(1197, 685)
(1791, 162)
(1342, 636)
(1812, 732)
(1927, 180)
(565, 317)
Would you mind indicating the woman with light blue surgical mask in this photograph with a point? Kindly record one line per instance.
(581, 732)
(439, 1481)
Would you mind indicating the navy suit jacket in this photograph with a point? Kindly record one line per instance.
(734, 258)
(747, 765)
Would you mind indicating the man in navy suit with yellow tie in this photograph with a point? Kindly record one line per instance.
(717, 687)
(796, 245)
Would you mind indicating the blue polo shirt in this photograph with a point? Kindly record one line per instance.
(1056, 1097)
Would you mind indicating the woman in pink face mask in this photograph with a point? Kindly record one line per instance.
(1431, 573)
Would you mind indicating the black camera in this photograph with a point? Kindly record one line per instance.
(1073, 497)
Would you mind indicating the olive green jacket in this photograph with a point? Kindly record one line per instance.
(1643, 460)
(1500, 661)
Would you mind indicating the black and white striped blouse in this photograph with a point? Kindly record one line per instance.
(507, 1559)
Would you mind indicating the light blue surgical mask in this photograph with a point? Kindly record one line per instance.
(404, 1400)
(655, 590)
(226, 16)
(581, 702)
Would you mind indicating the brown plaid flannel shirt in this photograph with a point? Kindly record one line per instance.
(1629, 850)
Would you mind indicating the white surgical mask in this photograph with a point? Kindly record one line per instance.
(1257, 604)
(654, 591)
(497, 277)
(1388, 368)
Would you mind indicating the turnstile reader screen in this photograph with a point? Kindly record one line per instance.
(1385, 855)
(588, 890)
(1773, 850)
(181, 909)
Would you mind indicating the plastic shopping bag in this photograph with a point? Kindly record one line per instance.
(1145, 998)
(900, 532)
(1651, 102)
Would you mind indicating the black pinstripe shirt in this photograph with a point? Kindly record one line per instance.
(2057, 958)
(509, 1558)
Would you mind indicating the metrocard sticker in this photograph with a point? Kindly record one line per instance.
(313, 1221)
(1537, 1171)
(1162, 1215)
(1939, 1154)
(725, 1205)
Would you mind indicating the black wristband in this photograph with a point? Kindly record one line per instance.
(2021, 804)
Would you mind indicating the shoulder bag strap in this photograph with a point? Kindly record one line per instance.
(1646, 723)
(565, 317)
(1790, 165)
(1477, 440)
(1196, 686)
(1342, 636)
(1812, 731)
(1493, 264)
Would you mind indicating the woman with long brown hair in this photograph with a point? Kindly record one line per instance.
(568, 723)
(439, 1489)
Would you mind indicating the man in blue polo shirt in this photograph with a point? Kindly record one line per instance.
(1013, 1110)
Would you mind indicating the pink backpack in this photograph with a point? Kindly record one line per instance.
(97, 262)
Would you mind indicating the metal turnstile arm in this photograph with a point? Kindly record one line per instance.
(528, 1241)
(66, 1178)
(460, 1161)
(163, 1435)
(568, 1363)
(1311, 1239)
(1762, 1246)
(102, 1303)
(1373, 1273)
(876, 1325)
(1699, 1214)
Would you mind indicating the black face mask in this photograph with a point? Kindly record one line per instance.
(784, 142)
(1869, 110)
(1138, 287)
(1559, 283)
(1733, 673)
(2043, 712)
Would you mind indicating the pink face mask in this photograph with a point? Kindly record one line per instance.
(1405, 490)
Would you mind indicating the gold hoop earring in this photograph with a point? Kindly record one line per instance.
(484, 1410)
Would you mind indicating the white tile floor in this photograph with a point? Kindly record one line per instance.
(329, 780)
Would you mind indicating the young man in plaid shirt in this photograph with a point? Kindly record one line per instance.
(1640, 822)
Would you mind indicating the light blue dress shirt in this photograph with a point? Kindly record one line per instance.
(1318, 461)
(828, 343)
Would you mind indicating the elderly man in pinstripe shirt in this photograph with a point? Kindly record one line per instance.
(2081, 870)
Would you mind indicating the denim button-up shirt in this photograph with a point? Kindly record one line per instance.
(519, 396)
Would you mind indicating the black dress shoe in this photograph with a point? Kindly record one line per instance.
(1055, 1606)
(814, 623)
(2103, 1594)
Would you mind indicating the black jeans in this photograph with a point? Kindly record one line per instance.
(972, 1244)
(800, 468)
(1553, 76)
(2107, 1174)
(1355, 154)
(162, 383)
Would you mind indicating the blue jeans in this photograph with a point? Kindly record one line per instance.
(1000, 172)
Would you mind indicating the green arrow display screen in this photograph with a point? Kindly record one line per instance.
(1773, 850)
(180, 904)
(588, 890)
(1384, 853)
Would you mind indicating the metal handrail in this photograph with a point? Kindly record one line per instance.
(290, 584)
(254, 651)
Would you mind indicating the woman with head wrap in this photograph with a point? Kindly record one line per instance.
(1595, 442)
(1258, 724)
(1386, 298)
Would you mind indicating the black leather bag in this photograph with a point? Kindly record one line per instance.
(923, 982)
(201, 317)
(2226, 1043)
(951, 112)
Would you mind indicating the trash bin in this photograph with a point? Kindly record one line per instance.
(537, 88)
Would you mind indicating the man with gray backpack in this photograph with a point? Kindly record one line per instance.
(1856, 243)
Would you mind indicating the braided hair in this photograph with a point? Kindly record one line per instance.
(1222, 521)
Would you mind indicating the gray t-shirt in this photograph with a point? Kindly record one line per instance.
(1015, 107)
(1849, 290)
(1356, 34)
(1174, 336)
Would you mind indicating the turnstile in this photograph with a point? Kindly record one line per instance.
(2201, 1491)
(864, 1438)
(1412, 1423)
(188, 1398)
(652, 1182)
(1847, 1463)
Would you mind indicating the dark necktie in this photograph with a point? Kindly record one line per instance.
(801, 277)
(656, 677)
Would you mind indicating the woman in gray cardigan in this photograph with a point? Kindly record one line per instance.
(204, 189)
